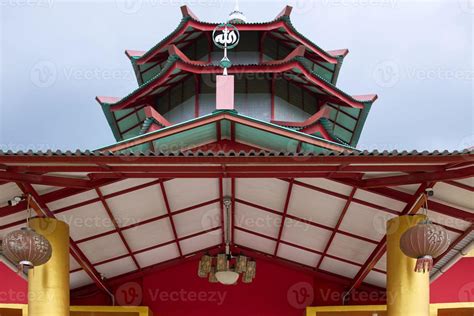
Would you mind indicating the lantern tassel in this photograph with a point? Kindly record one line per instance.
(424, 264)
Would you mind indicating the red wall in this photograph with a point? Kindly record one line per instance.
(277, 290)
(13, 289)
(456, 285)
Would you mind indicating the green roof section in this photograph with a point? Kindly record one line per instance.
(244, 133)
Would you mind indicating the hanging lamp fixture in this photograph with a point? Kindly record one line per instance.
(226, 268)
(424, 241)
(26, 248)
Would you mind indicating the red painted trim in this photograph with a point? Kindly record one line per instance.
(417, 178)
(197, 91)
(381, 247)
(74, 249)
(232, 190)
(150, 112)
(305, 221)
(221, 205)
(284, 214)
(168, 210)
(117, 228)
(324, 112)
(238, 69)
(460, 185)
(336, 228)
(45, 180)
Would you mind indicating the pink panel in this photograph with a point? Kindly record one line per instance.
(225, 93)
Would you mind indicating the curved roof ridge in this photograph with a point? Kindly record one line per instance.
(302, 61)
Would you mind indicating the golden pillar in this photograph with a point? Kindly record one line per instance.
(408, 292)
(48, 284)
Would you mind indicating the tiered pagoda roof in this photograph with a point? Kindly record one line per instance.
(299, 79)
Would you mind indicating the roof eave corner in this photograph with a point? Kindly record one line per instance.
(187, 13)
(107, 100)
(134, 54)
(370, 98)
(286, 12)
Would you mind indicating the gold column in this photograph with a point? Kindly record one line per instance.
(408, 292)
(48, 284)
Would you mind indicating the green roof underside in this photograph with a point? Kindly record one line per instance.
(245, 134)
(350, 121)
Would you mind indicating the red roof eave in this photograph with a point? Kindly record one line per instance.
(196, 67)
(271, 26)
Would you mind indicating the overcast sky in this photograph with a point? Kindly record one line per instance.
(56, 56)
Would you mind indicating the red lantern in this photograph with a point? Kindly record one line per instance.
(424, 242)
(26, 248)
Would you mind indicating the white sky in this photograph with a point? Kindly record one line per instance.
(56, 56)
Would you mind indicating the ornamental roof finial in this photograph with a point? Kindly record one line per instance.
(237, 16)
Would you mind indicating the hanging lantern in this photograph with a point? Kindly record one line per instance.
(26, 248)
(424, 242)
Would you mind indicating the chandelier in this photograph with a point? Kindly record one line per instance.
(224, 267)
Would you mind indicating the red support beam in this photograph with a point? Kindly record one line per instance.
(336, 228)
(73, 248)
(116, 226)
(221, 205)
(45, 180)
(417, 201)
(232, 208)
(170, 215)
(454, 243)
(418, 178)
(284, 214)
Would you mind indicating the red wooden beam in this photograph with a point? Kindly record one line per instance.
(454, 243)
(168, 210)
(417, 201)
(233, 198)
(74, 249)
(45, 180)
(283, 216)
(418, 178)
(336, 228)
(116, 226)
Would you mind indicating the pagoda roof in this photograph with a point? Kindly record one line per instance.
(228, 125)
(190, 24)
(178, 66)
